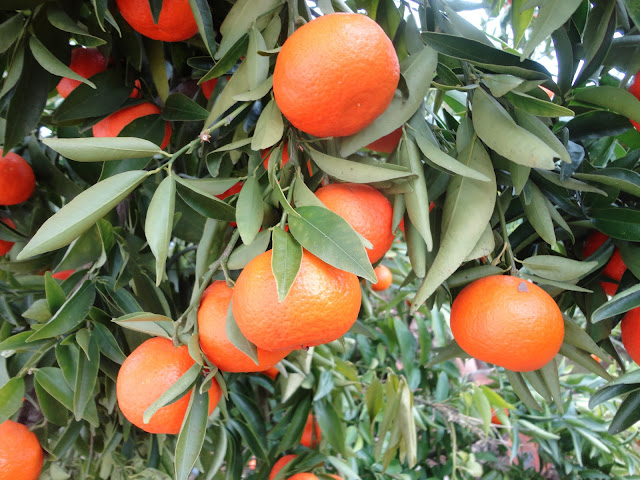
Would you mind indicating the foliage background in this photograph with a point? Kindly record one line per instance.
(391, 399)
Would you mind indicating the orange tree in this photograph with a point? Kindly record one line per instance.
(502, 191)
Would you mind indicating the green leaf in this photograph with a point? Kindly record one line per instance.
(84, 101)
(621, 303)
(192, 434)
(467, 210)
(242, 255)
(285, 261)
(155, 55)
(55, 293)
(70, 315)
(159, 223)
(52, 381)
(520, 20)
(237, 337)
(416, 201)
(202, 15)
(9, 31)
(634, 10)
(610, 98)
(11, 396)
(485, 56)
(441, 159)
(229, 59)
(537, 127)
(52, 410)
(59, 19)
(331, 425)
(558, 268)
(551, 16)
(620, 178)
(107, 343)
(203, 202)
(628, 413)
(576, 336)
(240, 19)
(499, 132)
(249, 210)
(521, 389)
(618, 222)
(180, 108)
(585, 360)
(419, 73)
(270, 127)
(86, 378)
(50, 63)
(175, 392)
(499, 85)
(329, 237)
(535, 106)
(81, 213)
(102, 149)
(257, 64)
(358, 172)
(539, 216)
(150, 323)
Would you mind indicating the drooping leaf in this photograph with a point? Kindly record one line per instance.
(285, 261)
(159, 223)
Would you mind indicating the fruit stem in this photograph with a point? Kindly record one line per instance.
(505, 236)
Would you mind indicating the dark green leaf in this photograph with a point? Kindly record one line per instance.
(86, 378)
(180, 108)
(192, 434)
(159, 223)
(628, 413)
(54, 292)
(622, 223)
(183, 386)
(50, 63)
(11, 396)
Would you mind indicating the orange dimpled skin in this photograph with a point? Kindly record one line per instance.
(6, 245)
(146, 374)
(112, 125)
(17, 181)
(630, 328)
(507, 321)
(176, 22)
(212, 319)
(21, 456)
(384, 276)
(321, 306)
(335, 75)
(86, 62)
(365, 209)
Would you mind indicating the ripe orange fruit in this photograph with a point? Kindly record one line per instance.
(5, 245)
(280, 464)
(146, 374)
(311, 435)
(208, 86)
(507, 321)
(321, 306)
(303, 476)
(21, 456)
(176, 21)
(272, 372)
(63, 275)
(112, 125)
(630, 327)
(17, 181)
(365, 209)
(384, 276)
(266, 154)
(614, 269)
(635, 90)
(86, 62)
(212, 319)
(494, 416)
(388, 143)
(335, 75)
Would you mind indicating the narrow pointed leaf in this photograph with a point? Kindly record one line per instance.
(192, 434)
(102, 149)
(249, 210)
(159, 223)
(179, 389)
(50, 63)
(238, 339)
(86, 378)
(285, 261)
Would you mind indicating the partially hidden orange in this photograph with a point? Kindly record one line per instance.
(635, 90)
(507, 321)
(112, 125)
(6, 245)
(280, 464)
(384, 276)
(21, 455)
(176, 21)
(86, 62)
(388, 143)
(17, 181)
(311, 435)
(365, 209)
(615, 267)
(212, 320)
(630, 329)
(335, 75)
(146, 374)
(321, 306)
